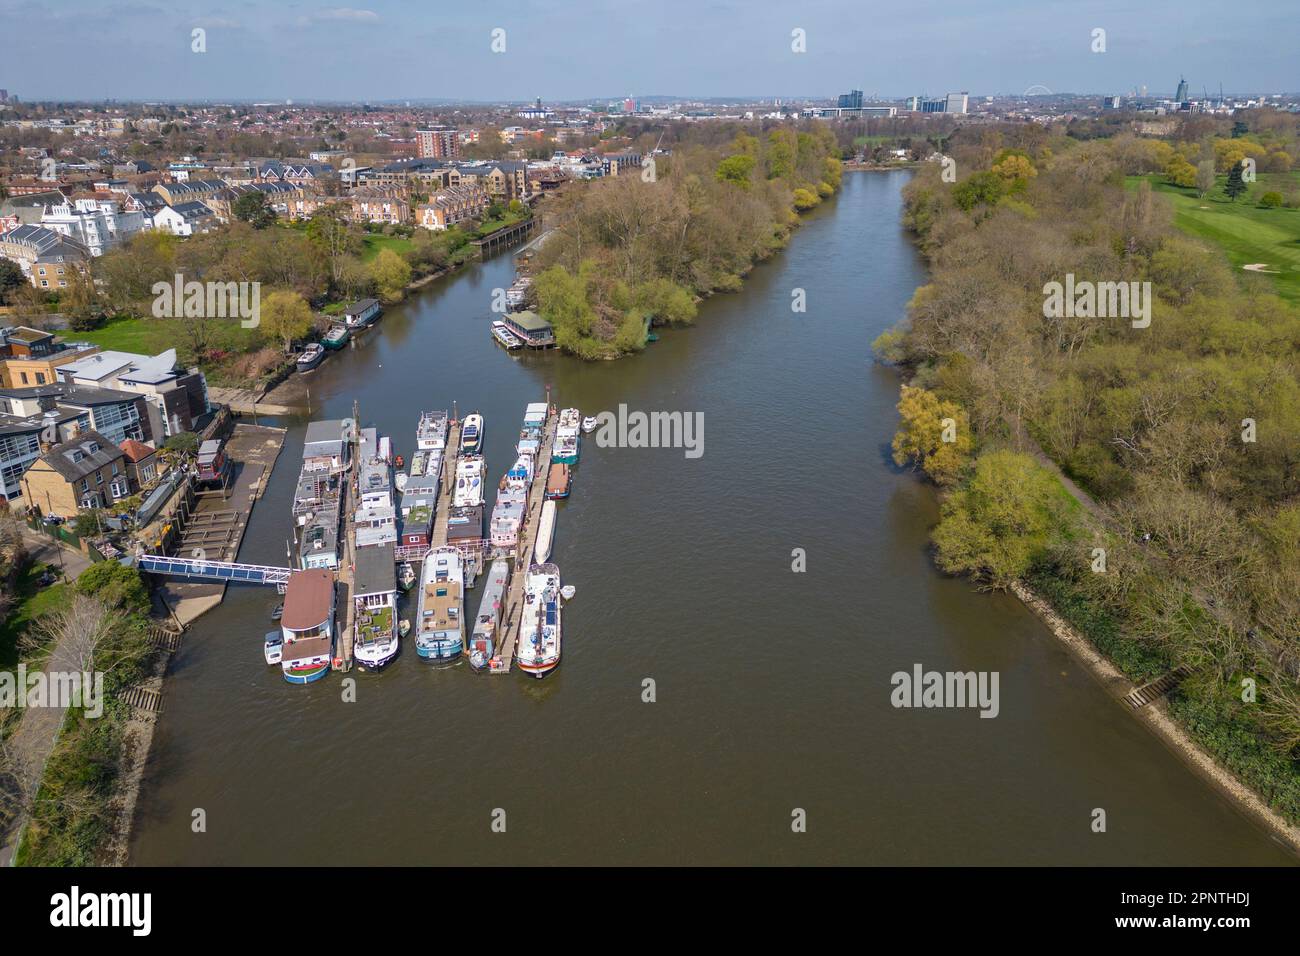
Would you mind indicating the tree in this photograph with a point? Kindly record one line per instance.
(934, 434)
(391, 273)
(736, 170)
(1205, 177)
(1271, 200)
(253, 208)
(119, 587)
(1235, 185)
(11, 277)
(1009, 514)
(182, 443)
(285, 318)
(1181, 172)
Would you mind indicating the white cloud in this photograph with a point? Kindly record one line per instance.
(340, 13)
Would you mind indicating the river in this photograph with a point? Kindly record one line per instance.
(772, 688)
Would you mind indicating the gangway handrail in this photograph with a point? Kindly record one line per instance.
(213, 570)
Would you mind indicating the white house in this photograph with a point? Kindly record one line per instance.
(184, 219)
(99, 224)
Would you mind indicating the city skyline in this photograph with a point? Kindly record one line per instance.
(687, 51)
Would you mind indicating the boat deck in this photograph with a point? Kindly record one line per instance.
(512, 618)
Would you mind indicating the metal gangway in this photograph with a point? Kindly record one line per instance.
(206, 570)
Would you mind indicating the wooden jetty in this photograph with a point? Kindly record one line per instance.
(505, 236)
(505, 652)
(438, 538)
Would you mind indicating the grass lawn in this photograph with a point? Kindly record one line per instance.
(373, 243)
(1245, 232)
(149, 336)
(33, 601)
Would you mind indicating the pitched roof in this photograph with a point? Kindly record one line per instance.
(136, 451)
(82, 456)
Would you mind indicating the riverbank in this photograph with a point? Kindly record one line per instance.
(1156, 718)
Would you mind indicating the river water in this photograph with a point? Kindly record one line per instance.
(772, 688)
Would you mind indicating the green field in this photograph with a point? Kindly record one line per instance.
(1247, 233)
(373, 243)
(149, 336)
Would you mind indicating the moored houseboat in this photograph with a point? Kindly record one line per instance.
(307, 626)
(558, 481)
(487, 625)
(310, 357)
(374, 614)
(362, 313)
(504, 337)
(440, 628)
(336, 337)
(538, 651)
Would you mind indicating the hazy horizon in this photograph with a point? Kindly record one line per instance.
(395, 50)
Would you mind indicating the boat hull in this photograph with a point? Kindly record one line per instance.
(444, 652)
(539, 670)
(306, 675)
(378, 661)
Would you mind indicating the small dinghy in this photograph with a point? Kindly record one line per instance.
(568, 591)
(589, 424)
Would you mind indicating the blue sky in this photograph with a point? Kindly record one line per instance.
(564, 50)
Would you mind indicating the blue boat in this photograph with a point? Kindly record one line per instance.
(440, 625)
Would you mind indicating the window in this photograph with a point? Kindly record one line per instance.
(85, 484)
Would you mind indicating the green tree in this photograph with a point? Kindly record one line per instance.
(11, 277)
(118, 586)
(285, 318)
(736, 170)
(1235, 185)
(1008, 515)
(391, 273)
(254, 209)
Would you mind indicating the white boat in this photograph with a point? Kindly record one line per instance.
(569, 418)
(400, 480)
(568, 591)
(273, 646)
(406, 576)
(471, 434)
(501, 332)
(469, 482)
(545, 532)
(589, 424)
(538, 652)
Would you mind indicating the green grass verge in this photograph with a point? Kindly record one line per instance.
(372, 244)
(33, 602)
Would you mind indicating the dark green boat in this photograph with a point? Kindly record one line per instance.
(336, 337)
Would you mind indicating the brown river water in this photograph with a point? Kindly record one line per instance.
(772, 687)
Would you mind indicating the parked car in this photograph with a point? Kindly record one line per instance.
(53, 519)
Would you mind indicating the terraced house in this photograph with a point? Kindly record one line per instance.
(47, 258)
(450, 206)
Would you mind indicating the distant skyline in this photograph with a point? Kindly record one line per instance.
(394, 50)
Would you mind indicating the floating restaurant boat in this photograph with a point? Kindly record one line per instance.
(374, 614)
(545, 533)
(471, 434)
(307, 626)
(336, 337)
(538, 652)
(504, 337)
(487, 626)
(440, 630)
(469, 482)
(558, 481)
(310, 357)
